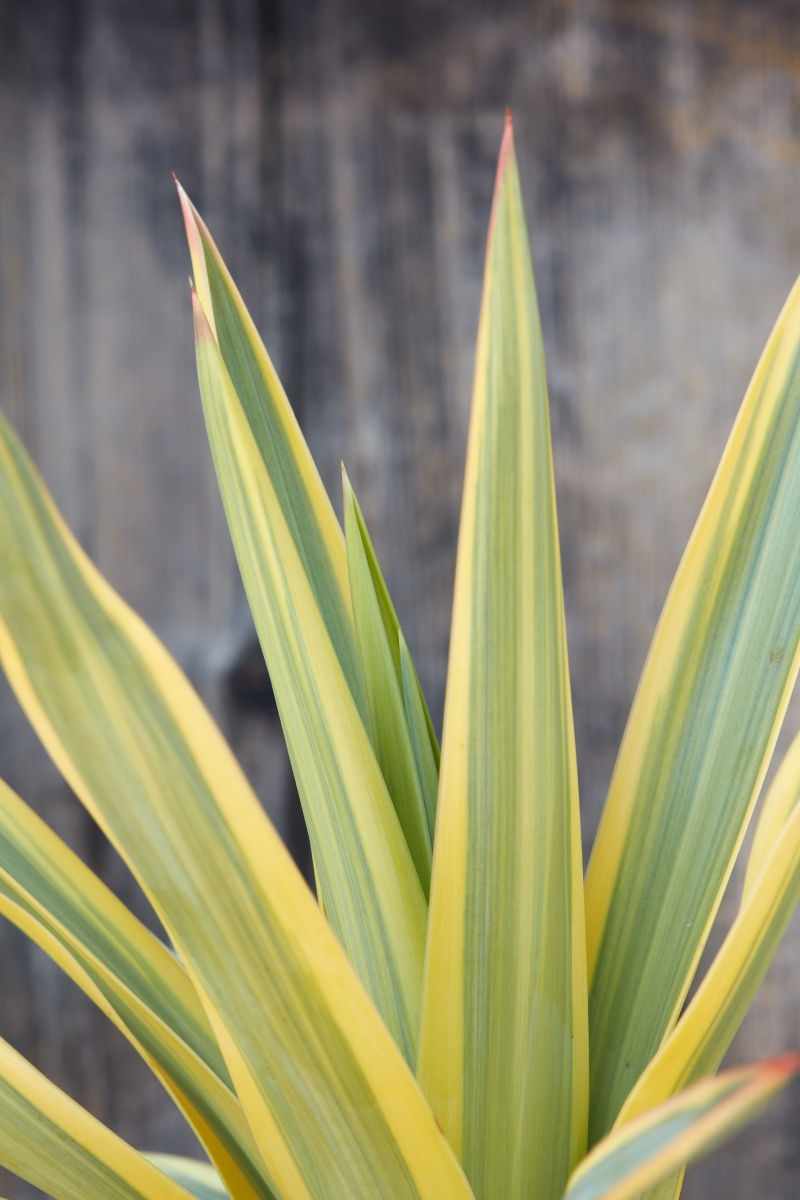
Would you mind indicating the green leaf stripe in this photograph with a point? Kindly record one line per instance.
(373, 897)
(655, 1147)
(384, 687)
(299, 490)
(330, 1102)
(199, 1178)
(503, 1045)
(48, 892)
(57, 1146)
(702, 729)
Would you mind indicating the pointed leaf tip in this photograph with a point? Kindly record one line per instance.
(787, 1064)
(191, 221)
(202, 330)
(506, 146)
(506, 159)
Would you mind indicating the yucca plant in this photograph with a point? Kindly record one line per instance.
(445, 1023)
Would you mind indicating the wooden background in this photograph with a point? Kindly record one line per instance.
(343, 154)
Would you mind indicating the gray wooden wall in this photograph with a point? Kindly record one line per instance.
(343, 154)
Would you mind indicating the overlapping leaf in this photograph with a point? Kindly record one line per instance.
(332, 1105)
(199, 1178)
(423, 739)
(48, 892)
(373, 897)
(651, 1148)
(712, 696)
(503, 1052)
(698, 1043)
(383, 682)
(56, 1145)
(292, 471)
(277, 516)
(779, 804)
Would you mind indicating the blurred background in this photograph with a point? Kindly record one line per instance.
(343, 154)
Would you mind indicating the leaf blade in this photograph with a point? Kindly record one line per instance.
(504, 930)
(53, 1143)
(779, 804)
(373, 897)
(390, 733)
(712, 695)
(650, 1149)
(423, 740)
(287, 459)
(199, 1178)
(701, 1037)
(132, 738)
(58, 902)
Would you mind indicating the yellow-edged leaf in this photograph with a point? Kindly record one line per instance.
(390, 733)
(331, 1103)
(651, 1148)
(299, 490)
(698, 1042)
(779, 804)
(199, 1178)
(503, 1049)
(703, 725)
(373, 897)
(48, 1139)
(48, 892)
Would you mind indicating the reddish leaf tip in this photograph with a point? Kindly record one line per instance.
(505, 159)
(202, 329)
(786, 1064)
(506, 147)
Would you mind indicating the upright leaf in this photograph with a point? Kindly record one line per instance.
(299, 491)
(503, 1050)
(703, 725)
(394, 635)
(290, 552)
(390, 733)
(706, 1029)
(331, 1103)
(372, 895)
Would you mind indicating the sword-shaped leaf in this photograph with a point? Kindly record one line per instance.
(48, 1139)
(391, 738)
(653, 1147)
(287, 460)
(698, 1042)
(423, 735)
(503, 1050)
(329, 1098)
(703, 725)
(48, 892)
(373, 897)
